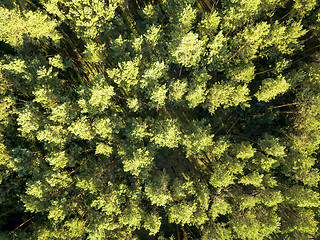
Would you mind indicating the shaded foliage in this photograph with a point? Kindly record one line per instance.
(159, 119)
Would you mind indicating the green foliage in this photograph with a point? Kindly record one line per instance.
(94, 52)
(159, 119)
(252, 226)
(303, 197)
(140, 159)
(197, 139)
(222, 176)
(100, 96)
(58, 62)
(254, 179)
(271, 88)
(181, 213)
(219, 207)
(152, 35)
(271, 198)
(210, 23)
(157, 191)
(18, 27)
(59, 160)
(272, 146)
(158, 97)
(152, 223)
(82, 129)
(28, 120)
(304, 7)
(126, 74)
(245, 151)
(243, 74)
(178, 89)
(167, 133)
(225, 95)
(219, 231)
(196, 95)
(218, 53)
(189, 50)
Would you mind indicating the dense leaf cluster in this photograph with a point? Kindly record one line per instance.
(167, 119)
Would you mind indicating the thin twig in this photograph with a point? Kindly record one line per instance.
(288, 112)
(184, 233)
(31, 3)
(191, 232)
(311, 48)
(138, 4)
(238, 50)
(227, 33)
(8, 211)
(23, 223)
(256, 115)
(308, 38)
(284, 105)
(284, 16)
(87, 150)
(232, 126)
(268, 70)
(180, 70)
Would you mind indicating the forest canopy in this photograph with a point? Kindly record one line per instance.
(161, 119)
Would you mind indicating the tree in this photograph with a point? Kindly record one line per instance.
(159, 119)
